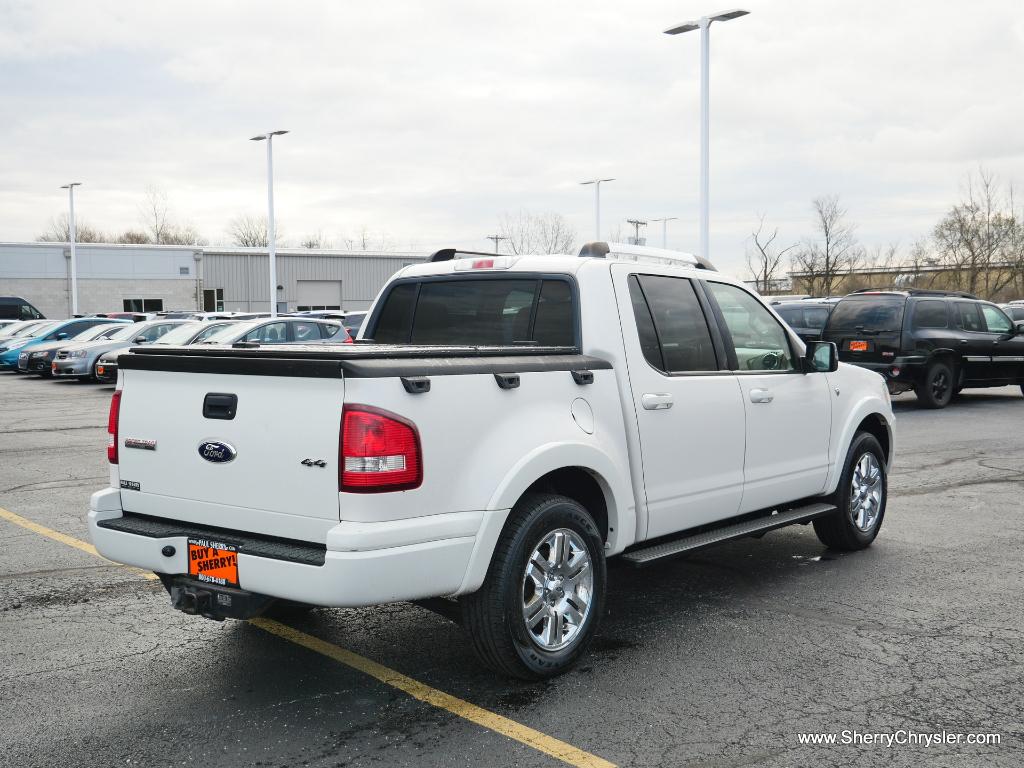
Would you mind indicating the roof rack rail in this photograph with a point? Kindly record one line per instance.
(918, 292)
(643, 254)
(447, 254)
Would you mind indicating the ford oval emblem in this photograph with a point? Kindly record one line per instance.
(217, 452)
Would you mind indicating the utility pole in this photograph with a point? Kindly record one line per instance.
(664, 229)
(704, 25)
(271, 232)
(597, 203)
(497, 239)
(71, 242)
(636, 224)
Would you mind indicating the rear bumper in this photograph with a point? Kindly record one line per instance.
(364, 563)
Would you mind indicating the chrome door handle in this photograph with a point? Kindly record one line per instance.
(760, 396)
(656, 401)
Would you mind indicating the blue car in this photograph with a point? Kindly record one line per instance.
(54, 330)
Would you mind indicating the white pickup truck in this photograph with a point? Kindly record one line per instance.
(502, 427)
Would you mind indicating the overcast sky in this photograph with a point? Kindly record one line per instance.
(426, 121)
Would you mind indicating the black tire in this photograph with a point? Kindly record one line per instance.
(839, 530)
(936, 388)
(493, 615)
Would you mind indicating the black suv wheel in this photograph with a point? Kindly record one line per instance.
(936, 387)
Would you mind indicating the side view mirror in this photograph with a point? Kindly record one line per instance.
(1018, 328)
(821, 357)
(61, 336)
(140, 340)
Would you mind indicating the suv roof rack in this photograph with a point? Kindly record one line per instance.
(447, 254)
(919, 292)
(643, 254)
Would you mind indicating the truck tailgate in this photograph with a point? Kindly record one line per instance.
(174, 460)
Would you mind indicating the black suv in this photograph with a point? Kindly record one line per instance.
(805, 316)
(934, 342)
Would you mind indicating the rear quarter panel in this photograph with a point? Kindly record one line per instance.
(483, 446)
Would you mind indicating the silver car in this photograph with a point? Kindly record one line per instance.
(283, 330)
(78, 361)
(190, 332)
(39, 358)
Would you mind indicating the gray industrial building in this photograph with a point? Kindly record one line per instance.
(158, 277)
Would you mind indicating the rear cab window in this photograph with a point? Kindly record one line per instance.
(517, 309)
(674, 334)
(878, 313)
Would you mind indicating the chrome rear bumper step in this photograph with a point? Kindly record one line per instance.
(697, 541)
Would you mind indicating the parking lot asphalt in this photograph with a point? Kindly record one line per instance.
(720, 659)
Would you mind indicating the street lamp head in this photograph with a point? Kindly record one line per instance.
(687, 27)
(729, 15)
(690, 26)
(595, 181)
(72, 184)
(265, 136)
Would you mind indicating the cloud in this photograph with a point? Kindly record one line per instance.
(428, 120)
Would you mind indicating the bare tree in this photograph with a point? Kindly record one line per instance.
(133, 237)
(976, 238)
(153, 214)
(765, 260)
(159, 225)
(251, 231)
(183, 235)
(833, 252)
(366, 240)
(315, 240)
(540, 233)
(59, 231)
(359, 242)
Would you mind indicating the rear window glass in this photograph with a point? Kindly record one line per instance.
(1016, 313)
(794, 316)
(930, 314)
(816, 317)
(492, 312)
(869, 313)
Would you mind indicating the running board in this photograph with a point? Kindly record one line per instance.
(697, 541)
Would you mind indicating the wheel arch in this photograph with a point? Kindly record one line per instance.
(581, 472)
(868, 416)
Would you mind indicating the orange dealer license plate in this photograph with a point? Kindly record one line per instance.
(214, 562)
(858, 346)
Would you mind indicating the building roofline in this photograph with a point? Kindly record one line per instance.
(228, 250)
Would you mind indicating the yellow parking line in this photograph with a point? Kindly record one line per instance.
(421, 691)
(63, 538)
(490, 720)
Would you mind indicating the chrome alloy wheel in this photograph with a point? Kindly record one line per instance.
(557, 589)
(866, 492)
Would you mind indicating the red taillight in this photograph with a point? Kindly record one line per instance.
(483, 264)
(348, 337)
(379, 451)
(112, 419)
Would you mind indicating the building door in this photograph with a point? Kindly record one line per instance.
(318, 294)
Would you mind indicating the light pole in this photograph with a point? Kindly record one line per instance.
(664, 229)
(271, 234)
(71, 241)
(497, 239)
(597, 204)
(704, 25)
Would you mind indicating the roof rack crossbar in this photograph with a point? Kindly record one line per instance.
(447, 254)
(643, 254)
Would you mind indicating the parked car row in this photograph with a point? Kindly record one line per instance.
(935, 343)
(88, 347)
